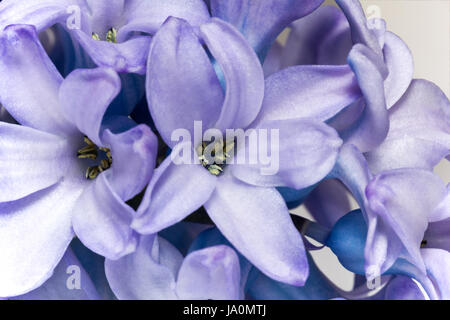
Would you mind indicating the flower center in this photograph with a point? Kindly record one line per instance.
(213, 156)
(111, 36)
(91, 152)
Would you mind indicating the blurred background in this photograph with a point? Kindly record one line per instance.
(424, 25)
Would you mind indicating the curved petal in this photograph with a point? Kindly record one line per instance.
(317, 92)
(39, 13)
(41, 220)
(211, 273)
(30, 160)
(403, 288)
(148, 15)
(56, 288)
(148, 273)
(236, 208)
(437, 262)
(419, 134)
(134, 157)
(372, 127)
(403, 199)
(178, 63)
(30, 82)
(302, 152)
(262, 21)
(175, 191)
(361, 33)
(400, 64)
(129, 56)
(312, 37)
(243, 74)
(213, 237)
(99, 87)
(101, 220)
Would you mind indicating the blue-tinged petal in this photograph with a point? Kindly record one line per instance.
(372, 126)
(437, 262)
(148, 273)
(262, 21)
(437, 234)
(419, 134)
(34, 234)
(134, 157)
(317, 287)
(317, 92)
(30, 82)
(400, 64)
(402, 199)
(213, 237)
(323, 37)
(403, 288)
(39, 13)
(328, 202)
(302, 152)
(31, 160)
(129, 56)
(102, 220)
(347, 240)
(210, 273)
(360, 31)
(178, 63)
(60, 287)
(148, 15)
(86, 111)
(175, 191)
(237, 208)
(244, 78)
(352, 170)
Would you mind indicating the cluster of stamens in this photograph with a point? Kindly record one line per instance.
(213, 156)
(111, 36)
(90, 151)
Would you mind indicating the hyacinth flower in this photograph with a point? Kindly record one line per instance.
(62, 166)
(157, 270)
(114, 33)
(417, 140)
(347, 240)
(326, 36)
(237, 197)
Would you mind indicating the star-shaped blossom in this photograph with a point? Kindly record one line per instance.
(63, 168)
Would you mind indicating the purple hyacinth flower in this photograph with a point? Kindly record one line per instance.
(124, 27)
(54, 174)
(240, 199)
(157, 270)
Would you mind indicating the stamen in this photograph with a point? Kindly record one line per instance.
(91, 152)
(213, 156)
(95, 36)
(111, 36)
